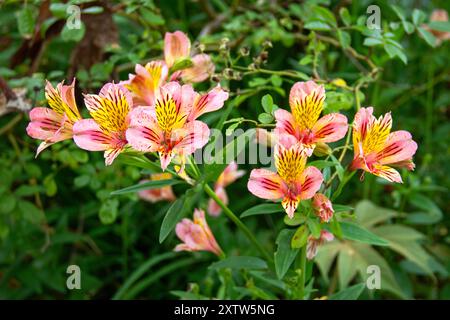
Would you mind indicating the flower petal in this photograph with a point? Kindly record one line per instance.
(176, 46)
(306, 101)
(143, 133)
(265, 184)
(44, 123)
(213, 208)
(399, 147)
(312, 179)
(211, 101)
(290, 205)
(330, 128)
(191, 137)
(201, 69)
(285, 123)
(88, 135)
(386, 172)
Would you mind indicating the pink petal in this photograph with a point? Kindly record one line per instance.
(201, 70)
(176, 46)
(300, 90)
(143, 133)
(265, 184)
(111, 154)
(388, 173)
(399, 147)
(330, 128)
(44, 123)
(88, 136)
(209, 102)
(285, 123)
(311, 184)
(193, 136)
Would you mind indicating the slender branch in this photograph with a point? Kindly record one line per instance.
(303, 274)
(237, 222)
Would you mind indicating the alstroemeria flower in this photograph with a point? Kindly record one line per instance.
(376, 147)
(169, 127)
(106, 130)
(144, 84)
(292, 182)
(54, 124)
(322, 207)
(196, 235)
(313, 244)
(159, 194)
(227, 177)
(177, 47)
(304, 123)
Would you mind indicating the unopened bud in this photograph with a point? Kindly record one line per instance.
(322, 149)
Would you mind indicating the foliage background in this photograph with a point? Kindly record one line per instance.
(56, 210)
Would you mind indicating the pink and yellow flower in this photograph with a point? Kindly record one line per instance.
(169, 127)
(292, 182)
(54, 124)
(322, 207)
(106, 130)
(144, 84)
(313, 244)
(306, 100)
(376, 148)
(196, 235)
(227, 177)
(177, 47)
(159, 194)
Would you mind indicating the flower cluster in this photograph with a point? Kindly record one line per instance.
(299, 132)
(156, 110)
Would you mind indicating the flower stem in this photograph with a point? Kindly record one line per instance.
(237, 222)
(303, 274)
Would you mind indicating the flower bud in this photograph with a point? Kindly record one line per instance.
(322, 149)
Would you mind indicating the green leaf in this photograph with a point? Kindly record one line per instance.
(264, 208)
(344, 38)
(314, 227)
(267, 103)
(59, 10)
(265, 118)
(300, 237)
(73, 34)
(345, 16)
(369, 214)
(285, 255)
(93, 10)
(317, 25)
(181, 64)
(342, 208)
(172, 217)
(428, 36)
(351, 293)
(370, 42)
(25, 22)
(394, 51)
(346, 266)
(321, 164)
(443, 26)
(240, 262)
(352, 231)
(7, 203)
(418, 17)
(148, 185)
(296, 220)
(151, 17)
(30, 212)
(108, 211)
(306, 60)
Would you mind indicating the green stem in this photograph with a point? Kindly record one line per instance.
(237, 222)
(303, 274)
